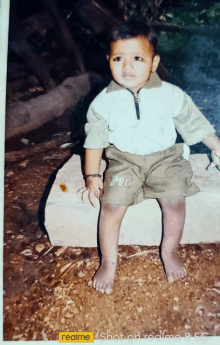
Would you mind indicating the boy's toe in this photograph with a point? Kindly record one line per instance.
(177, 274)
(109, 288)
(99, 286)
(94, 284)
(170, 277)
(174, 275)
(183, 272)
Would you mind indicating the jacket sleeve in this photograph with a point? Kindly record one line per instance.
(96, 130)
(190, 122)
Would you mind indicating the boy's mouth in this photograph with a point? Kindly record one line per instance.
(128, 75)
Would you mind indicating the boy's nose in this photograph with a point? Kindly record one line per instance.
(128, 64)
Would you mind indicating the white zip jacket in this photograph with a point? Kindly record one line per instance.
(147, 124)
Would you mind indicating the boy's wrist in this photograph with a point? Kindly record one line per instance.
(212, 142)
(92, 175)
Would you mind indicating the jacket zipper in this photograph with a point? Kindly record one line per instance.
(136, 102)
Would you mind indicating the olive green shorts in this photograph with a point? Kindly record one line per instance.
(131, 178)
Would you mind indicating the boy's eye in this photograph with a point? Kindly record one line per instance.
(118, 58)
(138, 58)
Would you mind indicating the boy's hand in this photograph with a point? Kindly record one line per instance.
(94, 185)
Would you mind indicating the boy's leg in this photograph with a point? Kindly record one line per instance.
(173, 210)
(109, 228)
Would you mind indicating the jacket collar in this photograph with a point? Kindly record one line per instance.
(153, 82)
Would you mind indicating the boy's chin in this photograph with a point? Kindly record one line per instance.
(130, 85)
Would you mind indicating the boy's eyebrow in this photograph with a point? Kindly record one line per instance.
(119, 53)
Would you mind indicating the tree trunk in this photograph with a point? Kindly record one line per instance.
(64, 35)
(31, 151)
(22, 117)
(23, 50)
(38, 22)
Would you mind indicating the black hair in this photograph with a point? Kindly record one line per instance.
(131, 29)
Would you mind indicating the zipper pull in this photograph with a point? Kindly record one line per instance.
(136, 102)
(136, 98)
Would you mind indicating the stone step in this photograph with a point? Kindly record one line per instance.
(72, 223)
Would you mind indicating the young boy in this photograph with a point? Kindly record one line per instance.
(135, 118)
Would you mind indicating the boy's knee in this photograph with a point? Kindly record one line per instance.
(112, 208)
(173, 204)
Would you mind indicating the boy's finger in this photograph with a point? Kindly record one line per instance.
(82, 195)
(92, 199)
(81, 190)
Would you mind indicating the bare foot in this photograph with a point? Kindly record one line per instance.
(104, 278)
(174, 268)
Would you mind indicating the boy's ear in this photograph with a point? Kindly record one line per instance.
(156, 60)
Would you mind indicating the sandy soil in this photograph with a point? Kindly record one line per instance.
(50, 291)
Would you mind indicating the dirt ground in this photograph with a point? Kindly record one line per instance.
(47, 290)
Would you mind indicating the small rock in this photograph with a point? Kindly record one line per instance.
(217, 327)
(187, 326)
(68, 315)
(176, 299)
(81, 274)
(90, 283)
(27, 252)
(18, 336)
(10, 173)
(25, 141)
(75, 311)
(24, 164)
(60, 251)
(176, 307)
(76, 251)
(200, 312)
(70, 302)
(44, 336)
(19, 237)
(38, 234)
(140, 309)
(62, 320)
(22, 339)
(211, 314)
(46, 319)
(66, 145)
(200, 309)
(79, 263)
(34, 336)
(39, 247)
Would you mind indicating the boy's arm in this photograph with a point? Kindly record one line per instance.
(213, 143)
(92, 161)
(194, 127)
(92, 166)
(96, 130)
(189, 121)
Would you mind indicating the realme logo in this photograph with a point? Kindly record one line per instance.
(76, 337)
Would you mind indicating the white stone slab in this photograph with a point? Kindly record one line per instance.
(72, 223)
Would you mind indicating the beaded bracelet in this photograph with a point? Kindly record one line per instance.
(93, 175)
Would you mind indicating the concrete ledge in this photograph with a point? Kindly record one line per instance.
(71, 223)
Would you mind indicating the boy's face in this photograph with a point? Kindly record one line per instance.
(132, 61)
